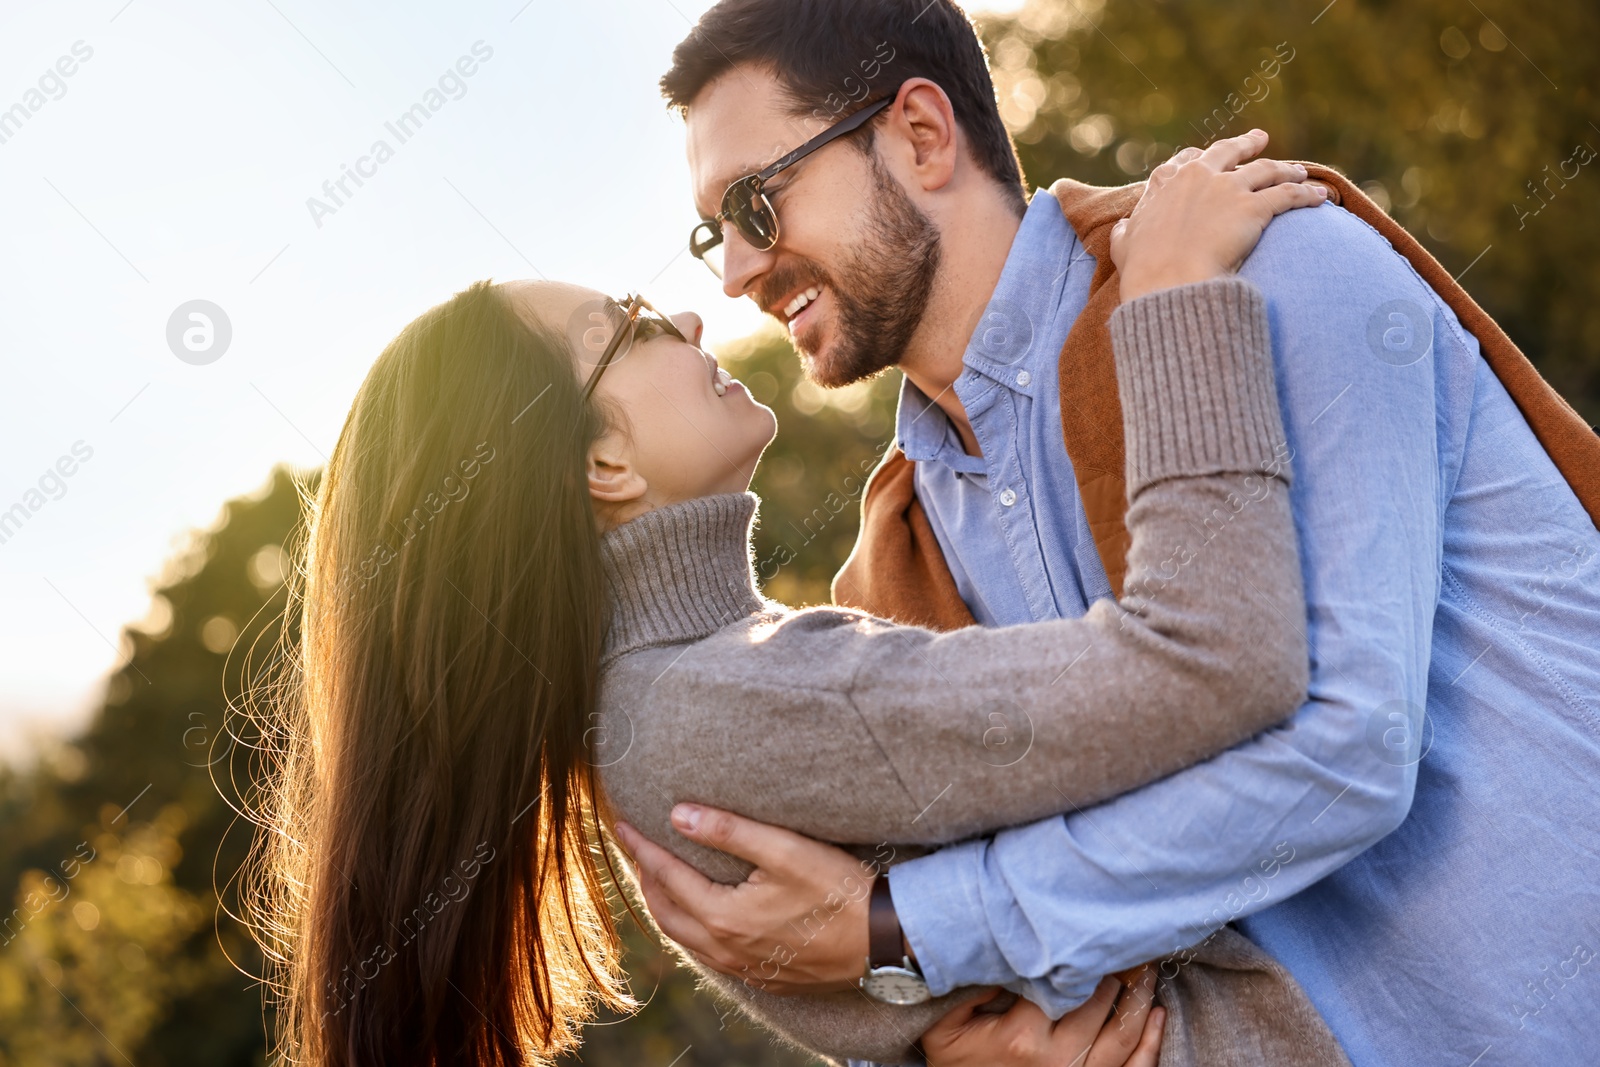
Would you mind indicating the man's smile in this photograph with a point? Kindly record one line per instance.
(802, 309)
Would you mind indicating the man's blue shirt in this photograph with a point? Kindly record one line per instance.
(1015, 510)
(1453, 587)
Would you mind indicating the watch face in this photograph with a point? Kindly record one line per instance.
(895, 985)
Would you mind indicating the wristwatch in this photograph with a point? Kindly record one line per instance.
(891, 977)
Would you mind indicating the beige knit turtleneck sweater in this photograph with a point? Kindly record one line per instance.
(895, 739)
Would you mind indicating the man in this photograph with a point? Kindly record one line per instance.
(1418, 844)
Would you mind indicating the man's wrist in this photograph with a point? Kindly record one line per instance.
(941, 912)
(886, 943)
(891, 977)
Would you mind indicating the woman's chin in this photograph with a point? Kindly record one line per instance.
(760, 413)
(771, 431)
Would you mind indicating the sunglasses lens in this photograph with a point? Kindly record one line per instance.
(713, 259)
(749, 211)
(705, 244)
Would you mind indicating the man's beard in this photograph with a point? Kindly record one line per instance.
(881, 291)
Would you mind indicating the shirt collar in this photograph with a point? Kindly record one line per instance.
(1015, 341)
(923, 432)
(1016, 331)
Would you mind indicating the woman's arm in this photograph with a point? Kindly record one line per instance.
(861, 731)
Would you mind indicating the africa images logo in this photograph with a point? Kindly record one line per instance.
(337, 191)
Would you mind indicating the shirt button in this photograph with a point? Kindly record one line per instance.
(1023, 377)
(1007, 497)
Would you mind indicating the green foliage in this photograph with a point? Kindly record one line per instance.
(102, 943)
(677, 1024)
(1457, 117)
(131, 956)
(139, 959)
(810, 479)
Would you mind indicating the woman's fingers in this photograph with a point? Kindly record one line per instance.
(959, 1016)
(1281, 198)
(1018, 1037)
(1160, 176)
(1119, 242)
(1148, 1054)
(1179, 158)
(1075, 1032)
(1231, 151)
(1261, 173)
(1124, 1030)
(951, 1026)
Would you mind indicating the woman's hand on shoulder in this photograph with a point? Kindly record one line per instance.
(1103, 1031)
(1202, 213)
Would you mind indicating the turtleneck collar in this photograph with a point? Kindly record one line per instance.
(680, 573)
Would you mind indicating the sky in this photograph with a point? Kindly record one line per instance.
(165, 159)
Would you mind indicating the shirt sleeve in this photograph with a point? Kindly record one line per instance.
(1046, 909)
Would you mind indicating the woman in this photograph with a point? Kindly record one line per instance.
(520, 554)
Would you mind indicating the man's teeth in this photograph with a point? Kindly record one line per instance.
(720, 383)
(798, 303)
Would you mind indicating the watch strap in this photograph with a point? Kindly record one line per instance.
(884, 946)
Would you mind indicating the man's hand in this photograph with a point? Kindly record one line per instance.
(1090, 1035)
(797, 924)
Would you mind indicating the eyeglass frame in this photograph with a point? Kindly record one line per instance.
(636, 304)
(754, 183)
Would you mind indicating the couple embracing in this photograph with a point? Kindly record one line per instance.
(1269, 555)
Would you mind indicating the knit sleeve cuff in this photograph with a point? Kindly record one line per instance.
(1195, 374)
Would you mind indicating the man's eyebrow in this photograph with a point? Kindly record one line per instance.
(723, 185)
(742, 172)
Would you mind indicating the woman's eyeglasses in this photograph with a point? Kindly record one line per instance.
(746, 206)
(617, 327)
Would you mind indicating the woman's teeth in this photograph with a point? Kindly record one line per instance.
(721, 381)
(798, 303)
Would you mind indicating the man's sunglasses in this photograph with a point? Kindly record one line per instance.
(746, 206)
(614, 328)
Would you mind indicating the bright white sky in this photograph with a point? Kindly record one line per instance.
(175, 164)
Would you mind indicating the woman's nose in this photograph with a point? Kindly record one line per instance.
(691, 325)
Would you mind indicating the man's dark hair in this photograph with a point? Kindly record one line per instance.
(830, 54)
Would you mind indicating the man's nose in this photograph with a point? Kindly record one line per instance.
(742, 263)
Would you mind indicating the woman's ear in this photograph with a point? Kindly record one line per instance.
(614, 482)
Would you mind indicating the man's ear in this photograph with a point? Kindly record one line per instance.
(925, 120)
(613, 479)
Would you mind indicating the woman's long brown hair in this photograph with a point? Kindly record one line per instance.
(428, 885)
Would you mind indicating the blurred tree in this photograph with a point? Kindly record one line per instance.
(811, 477)
(136, 954)
(105, 947)
(1468, 122)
